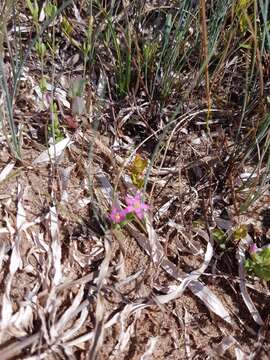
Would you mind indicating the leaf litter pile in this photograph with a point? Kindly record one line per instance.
(170, 281)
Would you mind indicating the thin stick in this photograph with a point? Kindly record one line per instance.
(205, 57)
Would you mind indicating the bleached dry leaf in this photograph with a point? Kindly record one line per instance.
(21, 322)
(64, 177)
(197, 287)
(6, 171)
(77, 325)
(225, 344)
(103, 271)
(164, 208)
(100, 309)
(86, 259)
(240, 355)
(4, 248)
(102, 83)
(243, 245)
(129, 279)
(187, 319)
(155, 250)
(105, 190)
(6, 311)
(113, 320)
(175, 291)
(208, 254)
(150, 347)
(16, 348)
(53, 153)
(209, 299)
(38, 357)
(38, 239)
(83, 202)
(124, 337)
(69, 353)
(98, 334)
(55, 246)
(70, 312)
(15, 261)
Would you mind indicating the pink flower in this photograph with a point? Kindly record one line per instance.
(117, 215)
(253, 249)
(135, 204)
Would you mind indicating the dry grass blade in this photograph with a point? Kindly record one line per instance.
(245, 295)
(70, 312)
(15, 264)
(6, 171)
(150, 347)
(197, 287)
(55, 246)
(16, 348)
(98, 334)
(53, 153)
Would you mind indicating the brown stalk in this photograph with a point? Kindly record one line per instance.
(205, 57)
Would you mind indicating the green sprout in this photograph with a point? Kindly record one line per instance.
(66, 27)
(220, 238)
(34, 10)
(50, 10)
(259, 262)
(54, 129)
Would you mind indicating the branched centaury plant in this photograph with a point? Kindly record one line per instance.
(87, 47)
(55, 132)
(14, 144)
(47, 22)
(40, 47)
(11, 95)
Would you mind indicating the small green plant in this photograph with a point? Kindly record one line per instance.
(259, 262)
(220, 238)
(34, 10)
(54, 129)
(40, 48)
(242, 14)
(50, 10)
(87, 46)
(67, 29)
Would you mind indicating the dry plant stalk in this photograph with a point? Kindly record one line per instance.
(205, 57)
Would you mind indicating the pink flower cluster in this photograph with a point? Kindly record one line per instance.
(134, 205)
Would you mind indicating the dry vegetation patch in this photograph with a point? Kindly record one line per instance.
(90, 92)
